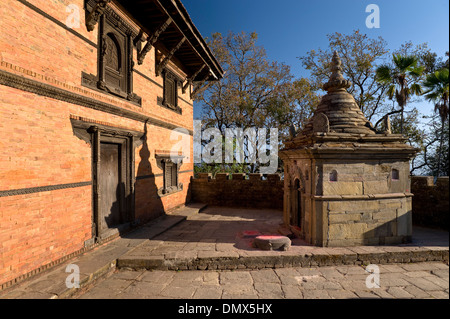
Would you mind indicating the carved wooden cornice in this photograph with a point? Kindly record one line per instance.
(170, 158)
(99, 8)
(152, 40)
(162, 65)
(43, 89)
(191, 79)
(200, 87)
(95, 14)
(33, 190)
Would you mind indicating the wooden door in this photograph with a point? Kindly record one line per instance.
(111, 193)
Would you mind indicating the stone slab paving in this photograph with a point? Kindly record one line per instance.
(216, 239)
(212, 242)
(427, 280)
(97, 262)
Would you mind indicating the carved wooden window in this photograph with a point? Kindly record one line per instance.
(170, 166)
(115, 73)
(170, 99)
(115, 56)
(171, 175)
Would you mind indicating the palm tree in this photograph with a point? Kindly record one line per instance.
(403, 78)
(437, 91)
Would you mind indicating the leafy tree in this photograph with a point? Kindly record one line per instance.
(255, 92)
(360, 56)
(439, 165)
(403, 80)
(242, 98)
(293, 106)
(428, 59)
(437, 91)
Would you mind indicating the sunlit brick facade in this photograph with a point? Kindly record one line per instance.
(90, 93)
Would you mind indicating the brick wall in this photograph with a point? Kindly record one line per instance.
(430, 201)
(238, 190)
(45, 170)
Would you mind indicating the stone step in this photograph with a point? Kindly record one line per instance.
(321, 257)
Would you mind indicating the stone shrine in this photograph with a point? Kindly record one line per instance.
(346, 183)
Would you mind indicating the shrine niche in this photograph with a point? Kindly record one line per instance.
(356, 186)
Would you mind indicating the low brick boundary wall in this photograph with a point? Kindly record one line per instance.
(430, 202)
(239, 190)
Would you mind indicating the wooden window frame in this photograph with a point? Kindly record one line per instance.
(172, 163)
(166, 101)
(110, 23)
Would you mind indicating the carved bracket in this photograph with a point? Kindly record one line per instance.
(166, 60)
(200, 87)
(152, 40)
(190, 80)
(93, 17)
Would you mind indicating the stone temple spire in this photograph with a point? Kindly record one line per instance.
(336, 81)
(338, 111)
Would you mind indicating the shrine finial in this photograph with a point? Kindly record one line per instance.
(336, 81)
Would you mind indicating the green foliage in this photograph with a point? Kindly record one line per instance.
(220, 168)
(438, 160)
(437, 91)
(402, 77)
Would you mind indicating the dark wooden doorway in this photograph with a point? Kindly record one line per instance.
(110, 186)
(298, 203)
(296, 214)
(113, 184)
(113, 177)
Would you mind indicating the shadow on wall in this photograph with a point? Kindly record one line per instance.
(395, 232)
(402, 232)
(133, 209)
(148, 204)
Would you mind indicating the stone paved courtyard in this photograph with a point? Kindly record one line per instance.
(218, 232)
(216, 239)
(197, 253)
(421, 280)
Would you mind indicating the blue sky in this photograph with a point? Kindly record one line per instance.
(290, 28)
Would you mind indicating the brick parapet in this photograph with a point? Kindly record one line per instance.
(430, 201)
(239, 190)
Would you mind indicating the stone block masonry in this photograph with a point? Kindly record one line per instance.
(239, 190)
(430, 202)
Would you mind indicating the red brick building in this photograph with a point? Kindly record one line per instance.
(90, 92)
